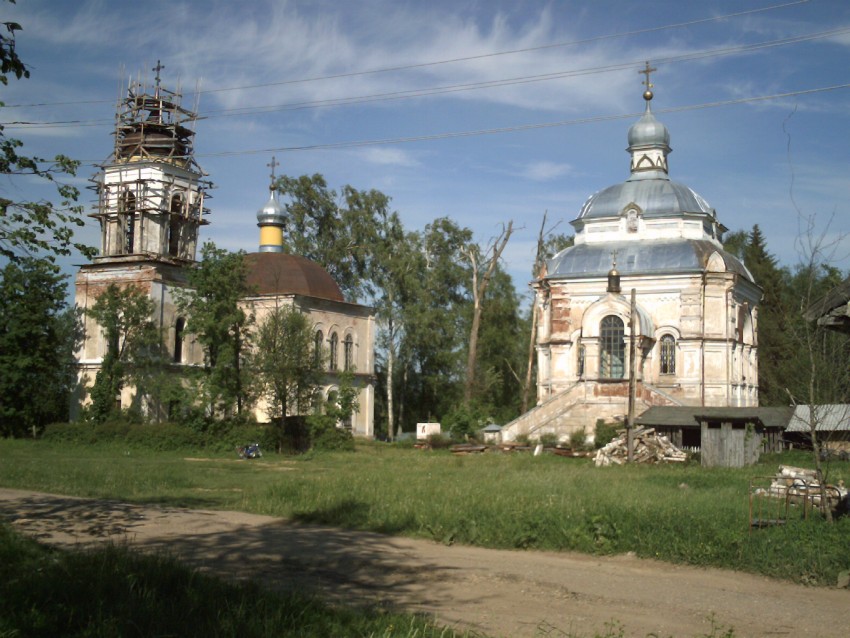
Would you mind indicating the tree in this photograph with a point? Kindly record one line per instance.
(775, 347)
(124, 314)
(38, 337)
(482, 266)
(40, 228)
(329, 231)
(289, 369)
(212, 302)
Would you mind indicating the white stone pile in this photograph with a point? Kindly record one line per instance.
(648, 447)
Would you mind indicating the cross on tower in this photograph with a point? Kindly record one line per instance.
(647, 95)
(159, 67)
(614, 259)
(273, 164)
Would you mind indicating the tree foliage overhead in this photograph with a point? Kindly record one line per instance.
(211, 302)
(38, 337)
(34, 228)
(289, 369)
(132, 342)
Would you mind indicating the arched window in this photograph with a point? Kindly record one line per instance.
(668, 354)
(348, 353)
(580, 362)
(127, 219)
(318, 346)
(179, 327)
(175, 221)
(612, 348)
(333, 365)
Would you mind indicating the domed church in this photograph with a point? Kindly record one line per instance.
(689, 336)
(151, 207)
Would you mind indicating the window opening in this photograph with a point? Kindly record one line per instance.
(613, 348)
(668, 355)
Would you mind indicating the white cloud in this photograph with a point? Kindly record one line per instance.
(387, 156)
(545, 171)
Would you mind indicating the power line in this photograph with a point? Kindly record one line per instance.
(481, 56)
(526, 127)
(414, 93)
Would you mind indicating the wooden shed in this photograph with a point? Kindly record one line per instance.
(725, 437)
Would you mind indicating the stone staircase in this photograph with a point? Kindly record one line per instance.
(577, 408)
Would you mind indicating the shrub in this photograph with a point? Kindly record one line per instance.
(325, 435)
(578, 439)
(549, 439)
(522, 439)
(438, 442)
(605, 433)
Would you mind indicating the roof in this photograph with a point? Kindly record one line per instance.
(684, 416)
(668, 256)
(658, 196)
(829, 417)
(281, 273)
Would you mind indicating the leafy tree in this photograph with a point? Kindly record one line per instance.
(775, 347)
(501, 355)
(289, 369)
(38, 336)
(331, 230)
(132, 340)
(37, 228)
(216, 285)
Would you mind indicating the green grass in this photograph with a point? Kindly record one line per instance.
(115, 592)
(683, 514)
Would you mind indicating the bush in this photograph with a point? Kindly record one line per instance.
(605, 433)
(325, 435)
(578, 439)
(222, 436)
(549, 439)
(438, 442)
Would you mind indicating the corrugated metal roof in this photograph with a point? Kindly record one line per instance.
(684, 416)
(665, 256)
(657, 197)
(829, 417)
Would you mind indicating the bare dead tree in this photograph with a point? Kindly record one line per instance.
(483, 266)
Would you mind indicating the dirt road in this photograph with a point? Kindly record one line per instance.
(501, 593)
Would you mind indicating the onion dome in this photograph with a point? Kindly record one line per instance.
(271, 219)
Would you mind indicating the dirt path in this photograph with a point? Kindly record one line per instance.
(501, 593)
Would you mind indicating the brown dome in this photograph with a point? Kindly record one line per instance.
(280, 273)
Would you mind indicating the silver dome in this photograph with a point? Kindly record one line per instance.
(272, 213)
(671, 256)
(657, 197)
(648, 131)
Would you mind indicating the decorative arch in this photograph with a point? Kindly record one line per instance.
(614, 305)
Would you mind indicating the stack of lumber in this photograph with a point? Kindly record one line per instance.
(649, 447)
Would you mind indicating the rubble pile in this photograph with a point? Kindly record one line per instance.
(799, 483)
(649, 447)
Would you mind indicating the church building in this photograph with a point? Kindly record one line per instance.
(152, 199)
(690, 339)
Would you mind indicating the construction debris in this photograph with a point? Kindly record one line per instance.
(648, 447)
(800, 485)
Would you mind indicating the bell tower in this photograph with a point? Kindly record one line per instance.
(151, 191)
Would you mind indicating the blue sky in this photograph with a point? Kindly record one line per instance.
(762, 162)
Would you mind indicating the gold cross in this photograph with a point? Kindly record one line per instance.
(273, 163)
(646, 71)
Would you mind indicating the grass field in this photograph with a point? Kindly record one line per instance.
(677, 513)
